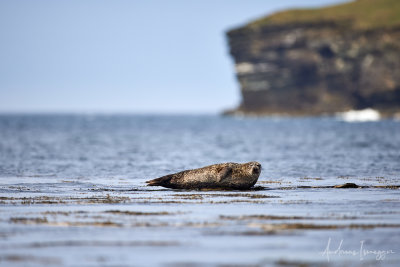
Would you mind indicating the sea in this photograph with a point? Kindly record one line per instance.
(73, 191)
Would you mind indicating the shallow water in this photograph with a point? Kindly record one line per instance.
(72, 191)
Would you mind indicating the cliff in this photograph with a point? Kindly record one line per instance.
(320, 61)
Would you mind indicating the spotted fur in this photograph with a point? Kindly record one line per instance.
(224, 175)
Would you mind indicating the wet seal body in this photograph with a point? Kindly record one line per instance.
(218, 176)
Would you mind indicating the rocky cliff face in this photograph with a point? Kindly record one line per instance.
(314, 67)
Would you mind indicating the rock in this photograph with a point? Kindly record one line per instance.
(320, 61)
(347, 185)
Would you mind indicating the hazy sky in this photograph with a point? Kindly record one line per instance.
(123, 56)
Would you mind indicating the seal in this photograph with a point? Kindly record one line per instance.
(218, 176)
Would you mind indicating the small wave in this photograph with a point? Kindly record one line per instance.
(368, 114)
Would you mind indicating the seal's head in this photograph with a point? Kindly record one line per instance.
(254, 168)
(245, 175)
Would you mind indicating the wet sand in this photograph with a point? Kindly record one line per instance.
(121, 222)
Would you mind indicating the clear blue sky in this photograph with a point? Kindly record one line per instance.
(123, 56)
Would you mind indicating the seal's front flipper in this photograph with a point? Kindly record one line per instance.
(223, 173)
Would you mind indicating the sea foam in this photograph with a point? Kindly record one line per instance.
(368, 114)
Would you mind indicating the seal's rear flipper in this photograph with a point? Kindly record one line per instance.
(162, 181)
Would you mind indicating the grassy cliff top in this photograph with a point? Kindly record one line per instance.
(360, 14)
